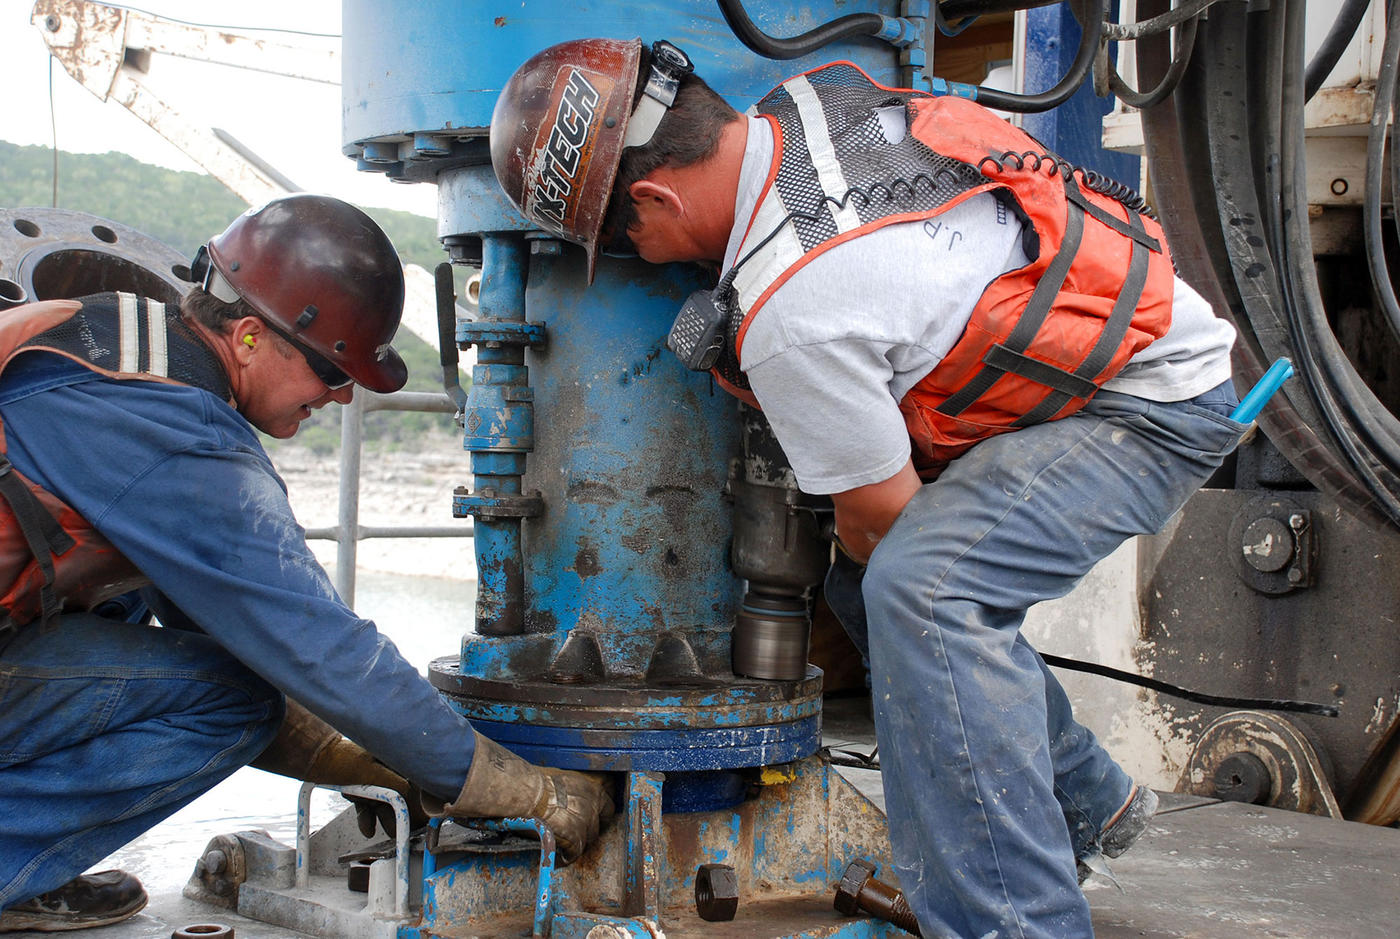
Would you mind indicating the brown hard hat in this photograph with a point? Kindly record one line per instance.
(324, 273)
(557, 133)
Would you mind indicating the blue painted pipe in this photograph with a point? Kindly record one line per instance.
(499, 432)
(1258, 396)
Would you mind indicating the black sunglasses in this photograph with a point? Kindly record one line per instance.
(329, 374)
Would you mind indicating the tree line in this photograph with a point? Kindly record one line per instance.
(183, 210)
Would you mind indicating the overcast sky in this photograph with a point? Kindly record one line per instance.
(292, 124)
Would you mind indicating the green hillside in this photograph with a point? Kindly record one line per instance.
(183, 210)
(180, 209)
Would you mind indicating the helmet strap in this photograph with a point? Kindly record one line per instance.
(212, 281)
(668, 66)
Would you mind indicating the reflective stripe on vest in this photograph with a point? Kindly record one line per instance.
(1042, 339)
(51, 559)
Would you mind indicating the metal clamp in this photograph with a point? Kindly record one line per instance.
(487, 503)
(501, 332)
(401, 832)
(545, 888)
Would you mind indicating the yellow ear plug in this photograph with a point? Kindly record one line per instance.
(249, 341)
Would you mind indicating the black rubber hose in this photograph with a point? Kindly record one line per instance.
(1375, 159)
(1333, 45)
(1204, 176)
(870, 24)
(1230, 151)
(1347, 404)
(770, 47)
(1186, 42)
(1191, 10)
(1091, 31)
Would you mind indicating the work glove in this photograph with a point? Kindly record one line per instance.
(502, 785)
(309, 749)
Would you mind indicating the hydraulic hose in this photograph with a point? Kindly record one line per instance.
(1375, 158)
(771, 47)
(872, 24)
(1096, 14)
(1333, 45)
(1186, 42)
(1216, 152)
(1348, 406)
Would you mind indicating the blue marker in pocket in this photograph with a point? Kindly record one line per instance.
(1252, 403)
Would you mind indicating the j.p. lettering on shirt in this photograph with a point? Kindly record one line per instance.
(944, 235)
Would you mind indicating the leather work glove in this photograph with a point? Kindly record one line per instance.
(501, 785)
(309, 749)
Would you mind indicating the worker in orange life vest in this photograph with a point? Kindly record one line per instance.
(979, 352)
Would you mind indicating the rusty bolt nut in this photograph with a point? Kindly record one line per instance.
(203, 931)
(853, 881)
(716, 892)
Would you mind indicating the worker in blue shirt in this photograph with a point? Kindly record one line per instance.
(130, 460)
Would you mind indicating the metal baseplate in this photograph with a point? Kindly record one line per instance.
(787, 844)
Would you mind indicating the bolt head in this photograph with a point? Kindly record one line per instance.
(215, 862)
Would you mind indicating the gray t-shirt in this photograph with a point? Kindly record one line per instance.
(835, 348)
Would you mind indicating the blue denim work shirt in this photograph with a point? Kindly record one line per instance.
(178, 481)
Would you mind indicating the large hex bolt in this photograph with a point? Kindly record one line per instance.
(860, 892)
(716, 892)
(220, 870)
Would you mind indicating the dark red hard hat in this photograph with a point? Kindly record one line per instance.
(557, 135)
(323, 272)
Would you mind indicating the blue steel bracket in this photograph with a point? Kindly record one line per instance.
(501, 332)
(488, 503)
(544, 892)
(915, 52)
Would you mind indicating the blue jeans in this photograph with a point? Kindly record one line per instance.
(106, 728)
(991, 787)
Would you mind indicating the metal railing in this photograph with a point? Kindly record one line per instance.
(348, 532)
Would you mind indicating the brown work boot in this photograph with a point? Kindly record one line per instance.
(1120, 834)
(90, 900)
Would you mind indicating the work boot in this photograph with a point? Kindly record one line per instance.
(90, 900)
(1120, 834)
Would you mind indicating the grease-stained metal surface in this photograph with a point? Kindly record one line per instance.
(50, 254)
(631, 457)
(788, 844)
(1207, 626)
(619, 725)
(1266, 751)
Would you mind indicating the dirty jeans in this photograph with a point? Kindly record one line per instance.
(991, 787)
(106, 728)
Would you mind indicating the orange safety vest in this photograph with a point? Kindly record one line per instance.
(51, 559)
(1042, 339)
